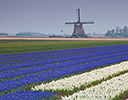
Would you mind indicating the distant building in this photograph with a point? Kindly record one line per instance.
(94, 36)
(55, 36)
(29, 34)
(104, 37)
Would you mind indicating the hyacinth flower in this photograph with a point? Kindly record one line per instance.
(28, 95)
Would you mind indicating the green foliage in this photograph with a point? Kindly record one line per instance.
(118, 32)
(121, 96)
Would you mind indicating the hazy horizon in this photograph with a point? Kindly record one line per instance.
(49, 17)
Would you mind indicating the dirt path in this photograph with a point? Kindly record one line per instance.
(11, 38)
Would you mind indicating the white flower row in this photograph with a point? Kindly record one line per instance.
(83, 79)
(107, 90)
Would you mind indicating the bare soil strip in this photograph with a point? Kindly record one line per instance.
(114, 39)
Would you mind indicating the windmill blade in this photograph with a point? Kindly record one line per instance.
(87, 22)
(78, 15)
(70, 22)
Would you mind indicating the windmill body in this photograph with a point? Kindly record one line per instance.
(78, 27)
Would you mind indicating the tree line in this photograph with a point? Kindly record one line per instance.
(3, 34)
(118, 32)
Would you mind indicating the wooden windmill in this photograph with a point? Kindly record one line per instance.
(78, 27)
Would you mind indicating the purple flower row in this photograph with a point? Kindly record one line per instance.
(27, 71)
(27, 95)
(40, 63)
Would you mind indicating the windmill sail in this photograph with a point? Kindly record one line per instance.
(78, 15)
(70, 22)
(87, 22)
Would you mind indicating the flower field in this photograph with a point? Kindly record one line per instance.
(105, 91)
(81, 73)
(79, 80)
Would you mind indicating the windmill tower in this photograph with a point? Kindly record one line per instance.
(78, 27)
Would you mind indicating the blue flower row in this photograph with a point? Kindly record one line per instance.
(38, 63)
(27, 95)
(40, 58)
(11, 74)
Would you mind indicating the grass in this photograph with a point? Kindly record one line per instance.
(20, 46)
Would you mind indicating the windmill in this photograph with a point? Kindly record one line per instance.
(78, 27)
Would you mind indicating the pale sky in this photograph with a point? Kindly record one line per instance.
(49, 16)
